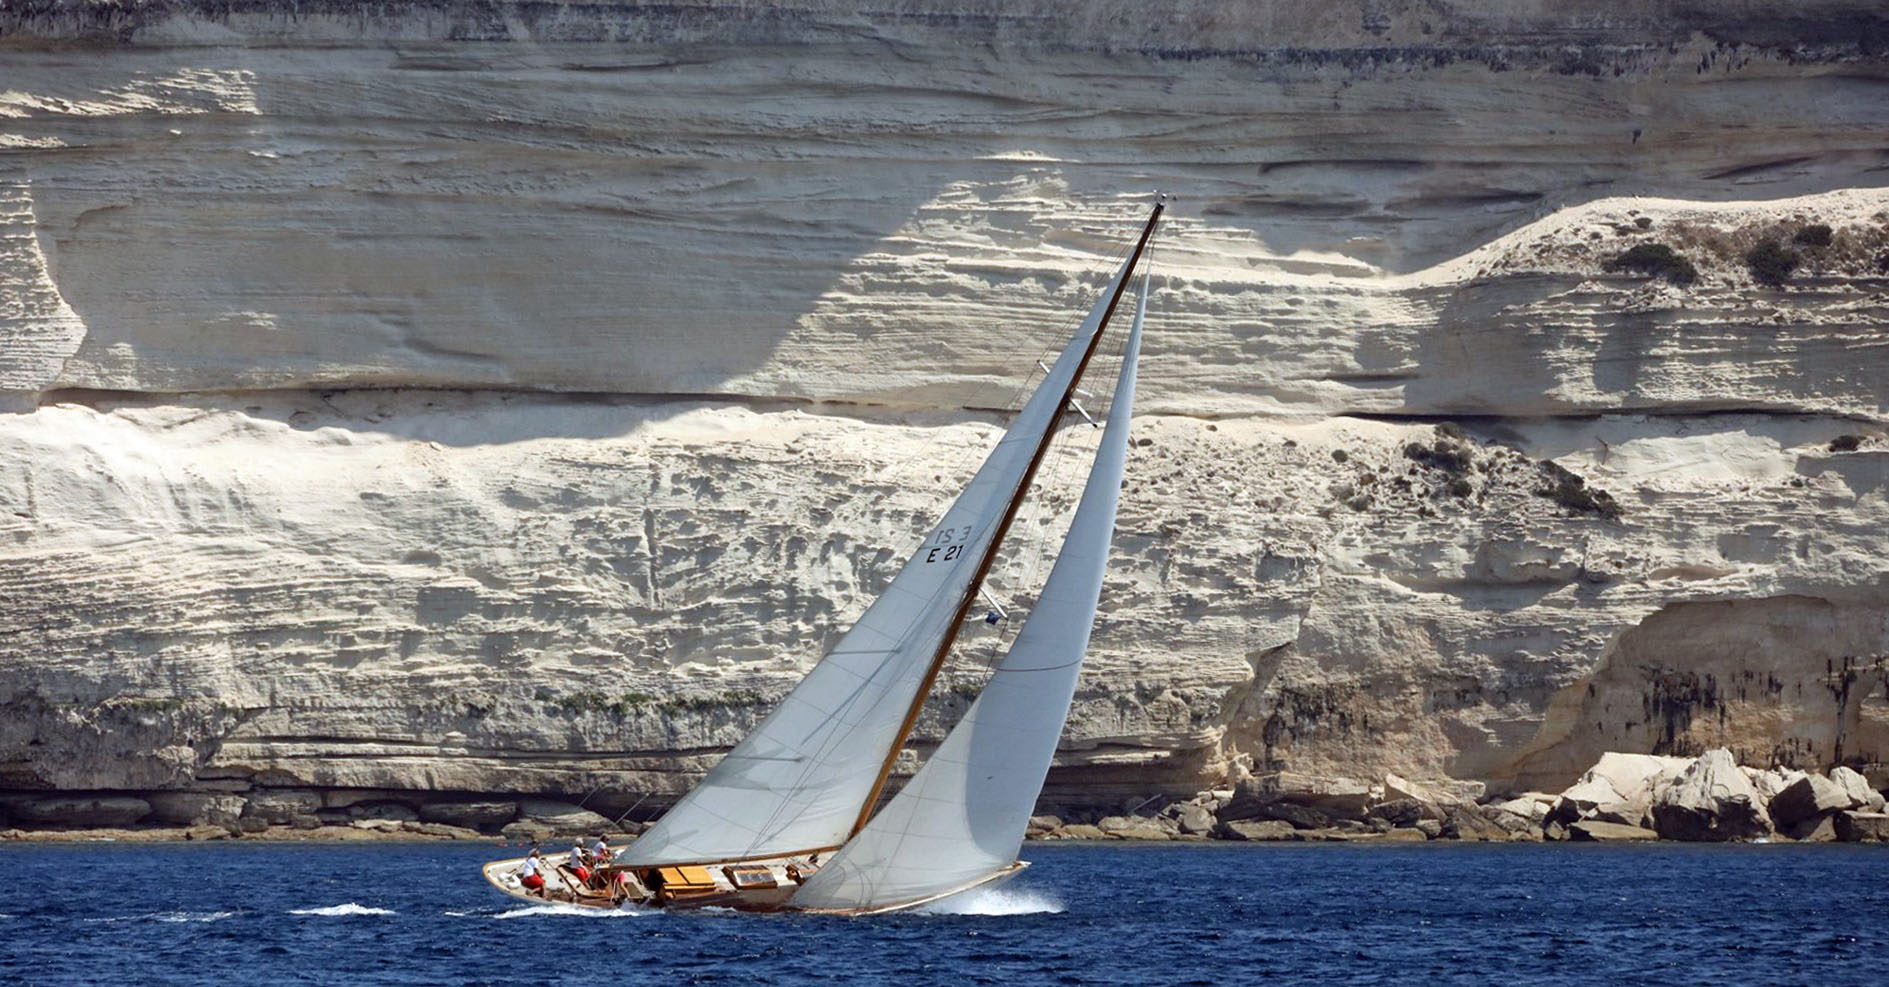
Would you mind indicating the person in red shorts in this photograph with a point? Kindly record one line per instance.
(529, 873)
(577, 862)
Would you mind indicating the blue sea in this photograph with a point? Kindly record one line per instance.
(243, 914)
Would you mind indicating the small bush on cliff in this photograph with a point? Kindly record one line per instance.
(1443, 454)
(1814, 235)
(1568, 489)
(1655, 260)
(1846, 443)
(1770, 262)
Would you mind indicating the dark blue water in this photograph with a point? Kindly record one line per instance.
(1440, 914)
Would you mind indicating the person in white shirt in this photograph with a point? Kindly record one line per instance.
(529, 873)
(600, 852)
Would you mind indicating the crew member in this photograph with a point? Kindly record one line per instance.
(578, 862)
(529, 873)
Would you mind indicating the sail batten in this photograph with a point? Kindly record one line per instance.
(962, 816)
(800, 778)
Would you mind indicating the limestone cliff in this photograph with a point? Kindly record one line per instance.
(516, 397)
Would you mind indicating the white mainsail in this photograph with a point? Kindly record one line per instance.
(963, 816)
(801, 780)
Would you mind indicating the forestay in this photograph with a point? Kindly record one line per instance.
(963, 816)
(800, 781)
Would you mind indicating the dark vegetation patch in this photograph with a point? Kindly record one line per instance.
(1770, 262)
(1814, 235)
(1845, 443)
(1655, 260)
(1568, 489)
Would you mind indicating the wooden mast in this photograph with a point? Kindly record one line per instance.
(1003, 528)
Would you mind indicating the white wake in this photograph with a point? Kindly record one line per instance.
(350, 908)
(995, 901)
(534, 910)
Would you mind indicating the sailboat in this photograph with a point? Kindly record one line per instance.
(790, 818)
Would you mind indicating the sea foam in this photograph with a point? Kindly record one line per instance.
(349, 908)
(995, 901)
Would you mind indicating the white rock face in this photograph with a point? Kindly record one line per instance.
(470, 416)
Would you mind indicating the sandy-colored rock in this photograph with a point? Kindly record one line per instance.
(1196, 820)
(1711, 801)
(1859, 827)
(194, 808)
(440, 830)
(1255, 830)
(1405, 834)
(1808, 798)
(562, 817)
(79, 810)
(1041, 824)
(1080, 831)
(1430, 801)
(1597, 831)
(277, 808)
(1817, 829)
(1133, 828)
(1857, 788)
(203, 833)
(1467, 822)
(470, 815)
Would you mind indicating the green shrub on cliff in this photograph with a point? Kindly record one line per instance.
(1655, 260)
(1770, 262)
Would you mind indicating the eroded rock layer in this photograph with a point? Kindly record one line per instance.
(421, 403)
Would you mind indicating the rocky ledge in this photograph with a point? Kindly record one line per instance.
(1710, 798)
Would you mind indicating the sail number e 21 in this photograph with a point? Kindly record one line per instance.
(948, 545)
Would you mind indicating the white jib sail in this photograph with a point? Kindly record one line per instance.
(799, 781)
(962, 817)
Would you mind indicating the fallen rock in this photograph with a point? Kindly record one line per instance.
(1530, 807)
(1858, 827)
(1300, 816)
(1430, 828)
(1808, 798)
(1469, 822)
(564, 818)
(1080, 831)
(277, 808)
(1772, 783)
(1430, 802)
(1133, 828)
(1582, 798)
(1195, 820)
(1595, 831)
(1404, 834)
(1861, 795)
(81, 810)
(1822, 829)
(471, 815)
(1637, 776)
(207, 833)
(1712, 801)
(1400, 812)
(1040, 825)
(194, 808)
(398, 811)
(1621, 814)
(1336, 797)
(1255, 830)
(441, 830)
(526, 831)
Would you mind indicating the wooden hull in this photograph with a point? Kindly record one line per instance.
(563, 888)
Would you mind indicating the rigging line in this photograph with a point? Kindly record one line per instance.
(1003, 528)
